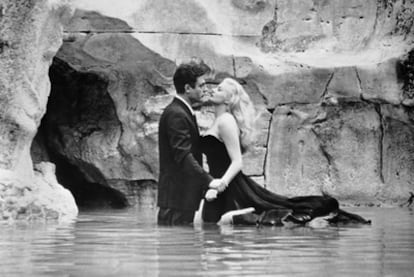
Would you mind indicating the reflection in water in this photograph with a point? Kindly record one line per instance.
(129, 243)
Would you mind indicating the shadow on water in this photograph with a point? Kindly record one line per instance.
(128, 242)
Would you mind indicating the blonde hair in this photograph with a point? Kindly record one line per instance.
(241, 107)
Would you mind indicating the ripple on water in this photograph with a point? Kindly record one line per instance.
(128, 242)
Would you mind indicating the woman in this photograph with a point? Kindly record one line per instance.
(232, 133)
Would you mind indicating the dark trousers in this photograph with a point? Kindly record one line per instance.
(168, 216)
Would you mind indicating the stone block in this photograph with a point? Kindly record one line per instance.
(398, 151)
(380, 83)
(332, 149)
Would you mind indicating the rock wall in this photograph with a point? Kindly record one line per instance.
(30, 35)
(332, 82)
(102, 113)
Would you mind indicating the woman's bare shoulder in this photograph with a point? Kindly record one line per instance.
(227, 124)
(226, 118)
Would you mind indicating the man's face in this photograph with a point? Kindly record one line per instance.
(195, 94)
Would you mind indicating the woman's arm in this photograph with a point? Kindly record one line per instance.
(228, 132)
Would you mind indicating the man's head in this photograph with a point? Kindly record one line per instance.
(189, 81)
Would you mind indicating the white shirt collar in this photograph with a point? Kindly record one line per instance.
(185, 102)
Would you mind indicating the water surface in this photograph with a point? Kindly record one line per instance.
(129, 243)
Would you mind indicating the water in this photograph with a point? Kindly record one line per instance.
(129, 243)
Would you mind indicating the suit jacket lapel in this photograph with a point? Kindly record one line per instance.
(188, 112)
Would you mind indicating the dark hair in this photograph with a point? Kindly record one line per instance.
(187, 73)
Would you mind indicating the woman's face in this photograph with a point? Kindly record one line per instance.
(220, 94)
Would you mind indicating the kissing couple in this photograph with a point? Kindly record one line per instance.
(230, 197)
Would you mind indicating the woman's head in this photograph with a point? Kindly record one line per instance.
(230, 93)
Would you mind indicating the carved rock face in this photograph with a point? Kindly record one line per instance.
(30, 36)
(330, 79)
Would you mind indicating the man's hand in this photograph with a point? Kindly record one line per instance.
(218, 184)
(211, 194)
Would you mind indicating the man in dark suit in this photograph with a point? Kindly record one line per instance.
(182, 181)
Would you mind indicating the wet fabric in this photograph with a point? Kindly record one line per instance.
(244, 192)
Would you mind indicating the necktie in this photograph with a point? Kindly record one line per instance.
(195, 122)
(194, 119)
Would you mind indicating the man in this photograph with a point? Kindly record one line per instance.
(183, 182)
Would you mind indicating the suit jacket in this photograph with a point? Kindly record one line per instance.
(182, 181)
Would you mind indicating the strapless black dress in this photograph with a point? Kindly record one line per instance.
(244, 192)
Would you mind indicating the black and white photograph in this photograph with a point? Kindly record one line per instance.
(206, 138)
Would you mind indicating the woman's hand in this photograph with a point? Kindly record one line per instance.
(218, 184)
(211, 194)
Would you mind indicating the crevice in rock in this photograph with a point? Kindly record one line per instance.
(359, 84)
(327, 85)
(325, 153)
(264, 99)
(255, 89)
(78, 107)
(359, 78)
(381, 142)
(267, 143)
(256, 175)
(123, 31)
(295, 103)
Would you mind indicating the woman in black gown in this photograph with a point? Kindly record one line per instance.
(231, 133)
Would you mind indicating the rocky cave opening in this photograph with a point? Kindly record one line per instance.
(78, 105)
